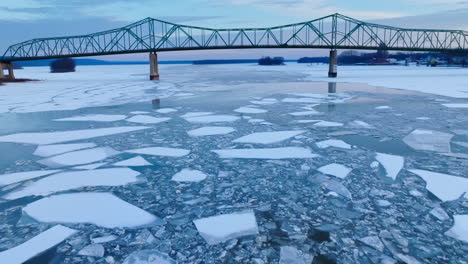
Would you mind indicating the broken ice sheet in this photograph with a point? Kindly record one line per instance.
(220, 228)
(459, 229)
(250, 110)
(360, 124)
(51, 150)
(36, 245)
(75, 179)
(291, 255)
(146, 119)
(194, 114)
(96, 118)
(333, 143)
(11, 178)
(79, 157)
(160, 151)
(268, 137)
(336, 170)
(421, 139)
(456, 105)
(328, 124)
(266, 153)
(445, 187)
(166, 110)
(212, 118)
(101, 209)
(91, 166)
(148, 257)
(188, 175)
(210, 131)
(133, 162)
(382, 107)
(305, 113)
(392, 164)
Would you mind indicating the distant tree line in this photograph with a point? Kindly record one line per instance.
(62, 65)
(271, 61)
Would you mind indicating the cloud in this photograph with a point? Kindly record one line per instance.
(23, 4)
(10, 15)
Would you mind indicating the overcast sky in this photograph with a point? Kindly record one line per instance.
(25, 19)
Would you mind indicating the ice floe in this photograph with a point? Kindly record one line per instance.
(103, 239)
(76, 179)
(188, 175)
(382, 107)
(101, 209)
(360, 124)
(139, 112)
(456, 105)
(220, 228)
(194, 114)
(166, 110)
(392, 164)
(265, 101)
(268, 137)
(307, 121)
(11, 178)
(212, 118)
(51, 150)
(459, 229)
(148, 256)
(336, 143)
(250, 110)
(133, 162)
(291, 255)
(421, 139)
(328, 124)
(302, 100)
(64, 136)
(96, 118)
(146, 119)
(336, 170)
(91, 166)
(266, 153)
(36, 245)
(93, 250)
(160, 151)
(210, 131)
(305, 113)
(445, 187)
(79, 157)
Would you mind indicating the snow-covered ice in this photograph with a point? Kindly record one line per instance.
(459, 229)
(456, 105)
(51, 150)
(79, 157)
(250, 110)
(392, 164)
(266, 153)
(422, 139)
(188, 175)
(11, 178)
(445, 187)
(382, 107)
(212, 118)
(336, 143)
(268, 137)
(328, 124)
(146, 119)
(210, 130)
(336, 170)
(95, 117)
(220, 228)
(133, 162)
(194, 114)
(36, 245)
(160, 151)
(101, 209)
(91, 166)
(166, 110)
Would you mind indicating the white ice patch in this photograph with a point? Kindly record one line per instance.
(95, 118)
(188, 175)
(220, 228)
(392, 164)
(456, 105)
(336, 143)
(209, 131)
(307, 121)
(160, 151)
(51, 150)
(361, 124)
(64, 136)
(328, 124)
(90, 166)
(445, 187)
(194, 114)
(302, 100)
(133, 162)
(79, 157)
(212, 118)
(10, 178)
(101, 209)
(166, 110)
(429, 140)
(266, 153)
(336, 170)
(268, 137)
(459, 229)
(36, 245)
(139, 112)
(250, 110)
(76, 179)
(146, 119)
(382, 107)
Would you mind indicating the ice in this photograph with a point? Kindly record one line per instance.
(456, 105)
(90, 166)
(306, 121)
(361, 124)
(139, 112)
(333, 143)
(266, 153)
(220, 228)
(188, 175)
(161, 151)
(103, 239)
(328, 124)
(265, 101)
(51, 150)
(440, 214)
(268, 137)
(373, 241)
(210, 130)
(291, 255)
(212, 118)
(421, 139)
(148, 257)
(305, 113)
(336, 170)
(392, 164)
(79, 157)
(64, 136)
(302, 100)
(36, 245)
(133, 162)
(250, 110)
(382, 107)
(96, 118)
(93, 250)
(76, 179)
(146, 119)
(166, 110)
(194, 114)
(101, 209)
(459, 229)
(445, 187)
(11, 178)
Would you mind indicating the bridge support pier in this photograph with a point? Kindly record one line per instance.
(9, 66)
(154, 70)
(333, 61)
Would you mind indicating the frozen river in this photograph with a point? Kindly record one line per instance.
(235, 164)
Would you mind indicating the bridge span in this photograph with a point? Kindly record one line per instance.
(151, 35)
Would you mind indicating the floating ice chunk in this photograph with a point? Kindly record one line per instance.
(302, 100)
(148, 257)
(456, 105)
(440, 214)
(183, 94)
(93, 250)
(133, 162)
(307, 121)
(333, 143)
(90, 166)
(212, 118)
(64, 136)
(209, 131)
(79, 157)
(445, 187)
(337, 187)
(336, 170)
(382, 107)
(188, 175)
(423, 118)
(463, 144)
(305, 113)
(291, 255)
(101, 209)
(51, 150)
(250, 110)
(104, 239)
(265, 101)
(328, 124)
(361, 124)
(160, 151)
(96, 118)
(139, 112)
(373, 241)
(268, 137)
(220, 228)
(36, 245)
(166, 110)
(256, 120)
(76, 179)
(421, 139)
(392, 164)
(266, 153)
(459, 229)
(146, 119)
(10, 178)
(194, 114)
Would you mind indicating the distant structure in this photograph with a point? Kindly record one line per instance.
(271, 61)
(62, 65)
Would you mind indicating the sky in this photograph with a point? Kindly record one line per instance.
(22, 20)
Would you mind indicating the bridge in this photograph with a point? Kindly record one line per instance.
(152, 35)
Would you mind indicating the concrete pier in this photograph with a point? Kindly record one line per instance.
(333, 71)
(154, 70)
(332, 87)
(9, 66)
